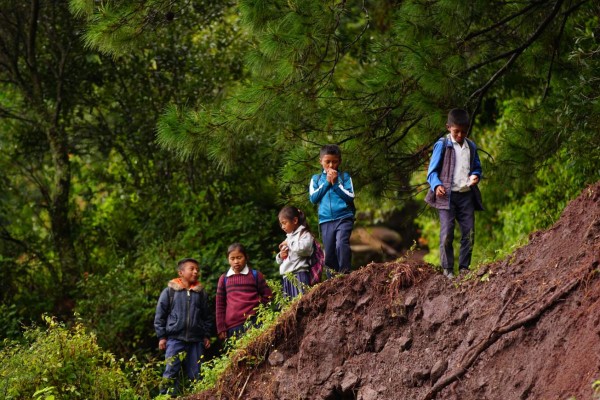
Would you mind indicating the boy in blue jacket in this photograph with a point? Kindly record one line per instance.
(453, 174)
(183, 323)
(333, 192)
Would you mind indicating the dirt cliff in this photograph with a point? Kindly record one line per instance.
(526, 327)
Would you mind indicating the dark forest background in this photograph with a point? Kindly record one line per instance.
(133, 134)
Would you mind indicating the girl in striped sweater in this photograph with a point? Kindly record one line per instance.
(239, 292)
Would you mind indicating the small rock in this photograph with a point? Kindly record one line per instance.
(367, 393)
(377, 323)
(410, 300)
(438, 370)
(276, 358)
(470, 337)
(380, 342)
(363, 300)
(464, 314)
(421, 374)
(405, 342)
(349, 382)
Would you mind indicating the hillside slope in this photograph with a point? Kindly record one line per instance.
(527, 327)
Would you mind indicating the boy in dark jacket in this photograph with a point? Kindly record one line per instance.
(183, 322)
(453, 175)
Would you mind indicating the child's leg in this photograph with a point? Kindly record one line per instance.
(446, 238)
(465, 216)
(343, 251)
(328, 233)
(174, 347)
(191, 363)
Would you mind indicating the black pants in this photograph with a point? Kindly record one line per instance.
(462, 211)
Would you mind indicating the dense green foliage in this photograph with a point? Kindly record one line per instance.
(134, 134)
(61, 363)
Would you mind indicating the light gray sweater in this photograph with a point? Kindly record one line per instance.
(300, 248)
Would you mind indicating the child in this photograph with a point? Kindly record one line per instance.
(183, 322)
(295, 251)
(334, 193)
(454, 171)
(239, 292)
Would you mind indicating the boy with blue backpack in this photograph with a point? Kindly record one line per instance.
(183, 323)
(453, 176)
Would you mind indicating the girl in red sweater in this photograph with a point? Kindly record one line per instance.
(239, 292)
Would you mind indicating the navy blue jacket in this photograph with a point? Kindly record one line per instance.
(183, 314)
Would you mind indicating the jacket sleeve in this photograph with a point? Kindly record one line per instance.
(476, 167)
(264, 291)
(207, 316)
(435, 165)
(344, 188)
(161, 315)
(221, 305)
(317, 188)
(303, 246)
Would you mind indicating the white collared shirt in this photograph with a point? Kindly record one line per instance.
(245, 271)
(462, 161)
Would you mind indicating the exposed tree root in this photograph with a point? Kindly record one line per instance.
(472, 354)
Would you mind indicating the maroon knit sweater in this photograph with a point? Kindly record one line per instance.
(236, 302)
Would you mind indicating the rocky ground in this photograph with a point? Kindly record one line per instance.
(526, 327)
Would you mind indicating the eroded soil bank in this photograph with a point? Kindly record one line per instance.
(527, 327)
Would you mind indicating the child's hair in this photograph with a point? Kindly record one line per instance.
(458, 116)
(291, 212)
(330, 149)
(186, 260)
(239, 247)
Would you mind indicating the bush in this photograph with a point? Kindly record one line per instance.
(61, 363)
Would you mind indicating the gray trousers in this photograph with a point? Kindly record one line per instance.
(462, 211)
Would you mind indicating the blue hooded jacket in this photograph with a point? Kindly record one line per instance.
(335, 201)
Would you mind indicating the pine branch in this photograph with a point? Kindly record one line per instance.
(503, 21)
(515, 53)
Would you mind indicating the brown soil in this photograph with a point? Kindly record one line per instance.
(527, 327)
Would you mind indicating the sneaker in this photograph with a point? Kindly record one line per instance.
(448, 273)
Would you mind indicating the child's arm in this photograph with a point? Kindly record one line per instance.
(317, 188)
(345, 189)
(283, 252)
(221, 307)
(435, 164)
(160, 319)
(476, 164)
(207, 318)
(264, 291)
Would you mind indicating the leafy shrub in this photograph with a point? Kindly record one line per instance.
(62, 363)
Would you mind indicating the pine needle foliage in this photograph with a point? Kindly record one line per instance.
(377, 78)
